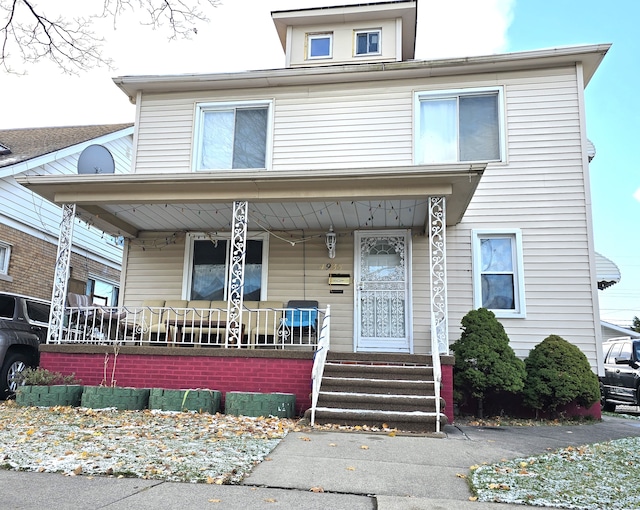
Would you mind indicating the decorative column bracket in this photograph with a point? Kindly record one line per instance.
(438, 275)
(236, 274)
(61, 274)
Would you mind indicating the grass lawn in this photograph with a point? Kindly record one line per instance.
(598, 476)
(184, 447)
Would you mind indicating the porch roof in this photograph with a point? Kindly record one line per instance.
(125, 204)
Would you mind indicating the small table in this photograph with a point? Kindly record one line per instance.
(196, 323)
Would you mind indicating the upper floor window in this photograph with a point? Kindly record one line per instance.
(319, 45)
(5, 254)
(459, 126)
(498, 279)
(367, 42)
(232, 135)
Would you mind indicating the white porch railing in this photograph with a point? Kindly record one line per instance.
(319, 360)
(280, 328)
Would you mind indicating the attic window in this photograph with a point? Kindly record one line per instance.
(367, 42)
(319, 45)
(4, 150)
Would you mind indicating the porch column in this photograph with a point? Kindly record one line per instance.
(61, 274)
(236, 273)
(438, 275)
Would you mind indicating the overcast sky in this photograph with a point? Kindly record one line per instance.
(241, 36)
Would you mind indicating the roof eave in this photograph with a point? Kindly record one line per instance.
(590, 56)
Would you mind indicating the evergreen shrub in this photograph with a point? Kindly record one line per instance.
(558, 373)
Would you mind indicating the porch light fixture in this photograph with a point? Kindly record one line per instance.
(330, 241)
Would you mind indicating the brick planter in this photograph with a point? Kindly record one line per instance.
(48, 396)
(207, 401)
(281, 405)
(99, 397)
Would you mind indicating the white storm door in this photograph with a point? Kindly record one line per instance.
(382, 304)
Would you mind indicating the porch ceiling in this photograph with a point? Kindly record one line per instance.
(125, 204)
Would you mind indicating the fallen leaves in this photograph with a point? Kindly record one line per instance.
(214, 449)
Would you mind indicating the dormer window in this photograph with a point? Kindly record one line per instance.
(319, 45)
(367, 42)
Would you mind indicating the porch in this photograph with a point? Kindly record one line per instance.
(199, 323)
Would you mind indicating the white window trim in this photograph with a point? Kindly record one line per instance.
(367, 31)
(452, 93)
(320, 35)
(187, 271)
(4, 268)
(520, 311)
(202, 108)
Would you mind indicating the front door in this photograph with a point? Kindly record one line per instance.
(382, 318)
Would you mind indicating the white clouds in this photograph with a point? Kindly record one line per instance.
(240, 36)
(455, 28)
(636, 195)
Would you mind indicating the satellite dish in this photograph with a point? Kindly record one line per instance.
(96, 159)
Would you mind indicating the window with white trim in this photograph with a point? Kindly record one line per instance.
(5, 255)
(367, 42)
(208, 260)
(319, 45)
(459, 126)
(498, 275)
(232, 135)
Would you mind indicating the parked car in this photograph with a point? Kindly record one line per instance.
(23, 327)
(621, 381)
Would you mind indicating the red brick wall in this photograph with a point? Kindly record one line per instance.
(446, 392)
(262, 375)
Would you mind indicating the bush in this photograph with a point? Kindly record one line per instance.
(43, 377)
(484, 361)
(558, 373)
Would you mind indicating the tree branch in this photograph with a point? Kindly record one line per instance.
(30, 35)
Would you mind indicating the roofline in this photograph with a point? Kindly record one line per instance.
(590, 55)
(619, 329)
(23, 166)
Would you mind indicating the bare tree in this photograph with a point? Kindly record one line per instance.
(29, 33)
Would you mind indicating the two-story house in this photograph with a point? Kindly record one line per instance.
(397, 193)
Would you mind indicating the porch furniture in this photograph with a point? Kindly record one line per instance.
(267, 323)
(199, 327)
(301, 317)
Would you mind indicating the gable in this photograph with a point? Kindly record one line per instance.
(37, 146)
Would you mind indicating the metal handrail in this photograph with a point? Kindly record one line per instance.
(437, 371)
(319, 360)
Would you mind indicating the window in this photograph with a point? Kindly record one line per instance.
(498, 279)
(103, 293)
(367, 42)
(37, 311)
(5, 254)
(459, 126)
(208, 269)
(232, 136)
(319, 45)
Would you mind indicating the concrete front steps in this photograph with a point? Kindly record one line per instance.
(373, 389)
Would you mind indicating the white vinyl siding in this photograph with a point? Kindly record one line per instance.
(539, 188)
(542, 192)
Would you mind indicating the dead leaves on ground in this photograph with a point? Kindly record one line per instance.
(215, 449)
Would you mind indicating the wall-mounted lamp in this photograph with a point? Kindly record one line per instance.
(330, 241)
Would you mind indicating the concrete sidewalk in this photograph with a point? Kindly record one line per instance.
(355, 471)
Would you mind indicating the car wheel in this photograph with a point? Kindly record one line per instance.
(604, 405)
(14, 364)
